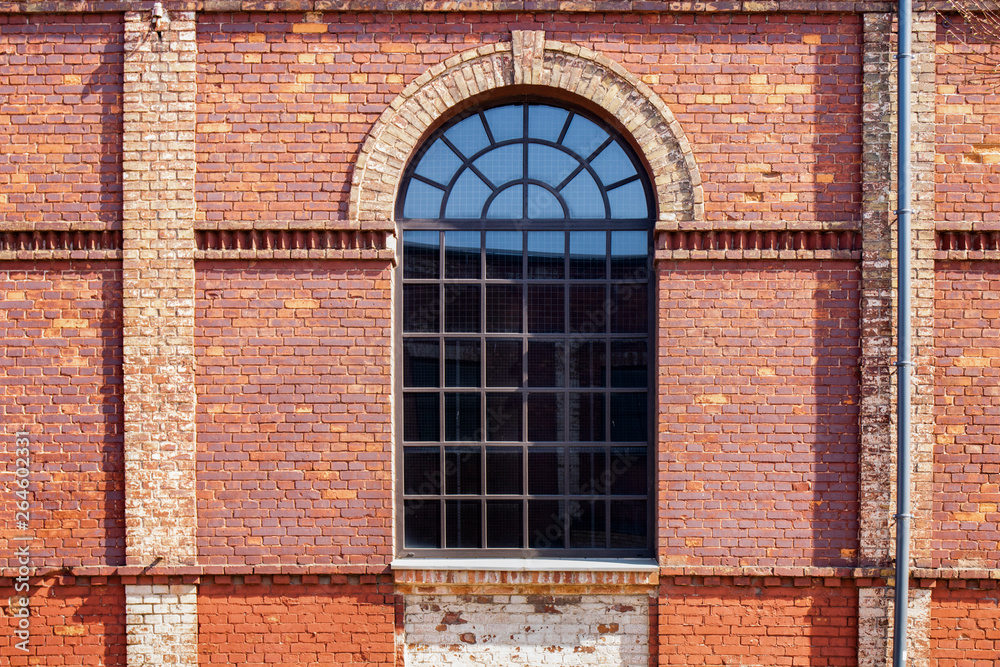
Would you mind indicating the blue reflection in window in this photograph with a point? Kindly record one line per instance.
(509, 204)
(546, 245)
(506, 242)
(628, 201)
(628, 244)
(467, 197)
(612, 165)
(583, 136)
(543, 205)
(546, 122)
(422, 200)
(583, 197)
(502, 165)
(439, 163)
(506, 123)
(469, 136)
(549, 165)
(587, 245)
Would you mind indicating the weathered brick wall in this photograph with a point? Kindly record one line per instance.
(310, 620)
(294, 387)
(285, 100)
(61, 118)
(967, 179)
(758, 419)
(967, 398)
(74, 621)
(965, 624)
(757, 621)
(61, 381)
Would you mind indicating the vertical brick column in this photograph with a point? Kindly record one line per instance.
(158, 275)
(877, 468)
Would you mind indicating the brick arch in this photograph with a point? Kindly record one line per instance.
(533, 61)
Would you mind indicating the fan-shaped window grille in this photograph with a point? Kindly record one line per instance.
(524, 346)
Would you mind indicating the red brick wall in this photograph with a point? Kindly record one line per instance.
(758, 423)
(967, 400)
(965, 624)
(61, 118)
(967, 179)
(771, 104)
(296, 621)
(757, 622)
(294, 442)
(73, 621)
(60, 380)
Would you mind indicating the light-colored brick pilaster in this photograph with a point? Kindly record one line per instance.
(162, 625)
(158, 265)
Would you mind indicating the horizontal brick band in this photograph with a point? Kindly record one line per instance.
(846, 240)
(290, 239)
(56, 240)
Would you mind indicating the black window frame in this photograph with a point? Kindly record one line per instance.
(522, 225)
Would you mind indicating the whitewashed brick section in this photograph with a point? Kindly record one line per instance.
(162, 625)
(504, 630)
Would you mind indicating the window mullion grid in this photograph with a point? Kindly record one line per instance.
(483, 415)
(523, 391)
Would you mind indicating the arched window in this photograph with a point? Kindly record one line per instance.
(525, 338)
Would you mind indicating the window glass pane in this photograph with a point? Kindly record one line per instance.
(462, 470)
(584, 137)
(545, 471)
(628, 471)
(546, 253)
(422, 200)
(508, 205)
(503, 417)
(550, 165)
(584, 197)
(545, 418)
(628, 201)
(503, 363)
(461, 255)
(421, 362)
(461, 417)
(628, 524)
(421, 308)
(546, 309)
(587, 524)
(503, 255)
(504, 309)
(543, 205)
(587, 309)
(503, 164)
(421, 257)
(546, 524)
(628, 417)
(586, 417)
(467, 198)
(421, 418)
(629, 308)
(422, 519)
(612, 164)
(468, 136)
(461, 363)
(421, 470)
(587, 363)
(587, 470)
(546, 363)
(588, 255)
(546, 122)
(629, 367)
(439, 163)
(461, 310)
(629, 252)
(463, 523)
(506, 122)
(504, 470)
(504, 524)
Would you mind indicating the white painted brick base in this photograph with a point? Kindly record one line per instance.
(162, 625)
(504, 630)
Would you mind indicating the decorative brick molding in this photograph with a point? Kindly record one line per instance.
(566, 67)
(294, 244)
(158, 269)
(749, 245)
